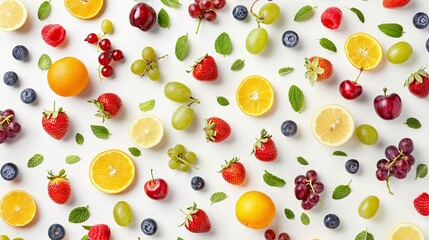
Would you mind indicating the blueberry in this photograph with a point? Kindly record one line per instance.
(290, 39)
(352, 166)
(198, 183)
(20, 53)
(289, 128)
(28, 95)
(427, 45)
(331, 221)
(149, 226)
(420, 20)
(240, 12)
(10, 78)
(56, 232)
(9, 171)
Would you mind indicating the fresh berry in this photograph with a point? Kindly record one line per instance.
(427, 45)
(117, 55)
(421, 204)
(9, 171)
(418, 83)
(55, 123)
(205, 4)
(352, 166)
(265, 149)
(218, 4)
(388, 107)
(269, 234)
(421, 20)
(107, 71)
(216, 129)
(59, 189)
(142, 16)
(318, 69)
(240, 12)
(196, 220)
(205, 69)
(92, 38)
(350, 89)
(156, 188)
(289, 128)
(10, 78)
(198, 183)
(283, 236)
(104, 58)
(331, 221)
(290, 39)
(56, 232)
(3, 136)
(233, 171)
(105, 44)
(210, 16)
(28, 95)
(149, 226)
(307, 189)
(53, 34)
(99, 232)
(20, 53)
(395, 3)
(331, 18)
(195, 11)
(108, 105)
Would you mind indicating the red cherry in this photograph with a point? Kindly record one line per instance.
(350, 90)
(388, 107)
(142, 16)
(156, 188)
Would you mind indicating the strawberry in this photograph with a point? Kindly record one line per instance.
(265, 149)
(395, 3)
(53, 34)
(233, 171)
(59, 187)
(55, 123)
(205, 69)
(196, 220)
(318, 69)
(216, 129)
(99, 232)
(421, 203)
(108, 105)
(418, 83)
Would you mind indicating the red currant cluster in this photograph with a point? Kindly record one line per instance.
(8, 127)
(307, 189)
(205, 9)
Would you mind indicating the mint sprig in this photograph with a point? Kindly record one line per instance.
(44, 10)
(35, 160)
(79, 215)
(163, 18)
(100, 131)
(273, 180)
(341, 191)
(181, 48)
(223, 44)
(217, 197)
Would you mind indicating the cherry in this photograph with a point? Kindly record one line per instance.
(351, 89)
(388, 107)
(142, 16)
(156, 188)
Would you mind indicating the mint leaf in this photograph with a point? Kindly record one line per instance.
(302, 161)
(85, 237)
(44, 62)
(217, 197)
(341, 191)
(86, 227)
(364, 235)
(100, 131)
(135, 151)
(296, 98)
(171, 3)
(179, 238)
(181, 49)
(289, 214)
(421, 171)
(79, 215)
(44, 10)
(222, 101)
(304, 13)
(413, 123)
(163, 18)
(339, 153)
(272, 180)
(391, 29)
(35, 160)
(71, 159)
(147, 106)
(223, 44)
(327, 44)
(305, 219)
(285, 70)
(237, 65)
(358, 13)
(79, 138)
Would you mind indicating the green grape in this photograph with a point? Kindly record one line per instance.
(180, 148)
(122, 213)
(4, 237)
(269, 13)
(190, 157)
(173, 163)
(182, 117)
(138, 67)
(154, 74)
(106, 26)
(148, 54)
(18, 238)
(399, 52)
(176, 91)
(257, 40)
(172, 152)
(183, 167)
(369, 207)
(153, 65)
(367, 134)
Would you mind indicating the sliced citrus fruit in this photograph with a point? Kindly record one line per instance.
(112, 171)
(17, 208)
(84, 9)
(406, 231)
(332, 125)
(363, 51)
(255, 95)
(146, 131)
(13, 15)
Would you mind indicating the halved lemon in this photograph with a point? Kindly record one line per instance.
(332, 125)
(146, 131)
(363, 51)
(112, 171)
(17, 208)
(84, 9)
(13, 15)
(406, 231)
(255, 95)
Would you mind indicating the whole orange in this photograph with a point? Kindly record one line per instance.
(255, 210)
(67, 76)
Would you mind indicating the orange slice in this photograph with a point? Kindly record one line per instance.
(363, 51)
(17, 208)
(84, 9)
(255, 95)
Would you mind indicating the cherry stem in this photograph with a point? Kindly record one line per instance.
(385, 90)
(199, 24)
(360, 72)
(151, 174)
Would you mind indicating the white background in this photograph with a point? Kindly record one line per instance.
(134, 90)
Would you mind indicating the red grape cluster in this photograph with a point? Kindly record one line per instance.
(271, 235)
(398, 161)
(9, 128)
(307, 189)
(205, 9)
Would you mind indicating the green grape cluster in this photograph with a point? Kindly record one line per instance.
(181, 159)
(148, 64)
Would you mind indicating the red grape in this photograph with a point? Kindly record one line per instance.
(382, 164)
(270, 234)
(3, 136)
(300, 179)
(318, 187)
(410, 159)
(381, 174)
(301, 191)
(205, 4)
(283, 236)
(306, 205)
(219, 4)
(406, 146)
(311, 175)
(210, 16)
(195, 11)
(391, 152)
(313, 198)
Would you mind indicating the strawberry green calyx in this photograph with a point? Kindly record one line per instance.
(61, 174)
(100, 110)
(262, 139)
(313, 69)
(228, 163)
(417, 76)
(197, 62)
(192, 210)
(210, 131)
(52, 114)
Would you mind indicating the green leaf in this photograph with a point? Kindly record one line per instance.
(302, 161)
(391, 29)
(413, 123)
(79, 215)
(421, 171)
(147, 106)
(163, 18)
(85, 237)
(181, 49)
(100, 131)
(171, 3)
(44, 62)
(339, 153)
(217, 197)
(358, 13)
(179, 238)
(44, 10)
(304, 13)
(79, 138)
(237, 65)
(305, 219)
(222, 101)
(364, 235)
(35, 160)
(223, 44)
(296, 98)
(272, 180)
(289, 214)
(285, 70)
(135, 151)
(71, 159)
(328, 44)
(341, 191)
(86, 227)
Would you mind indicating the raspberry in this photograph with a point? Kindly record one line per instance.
(331, 18)
(53, 34)
(421, 203)
(99, 232)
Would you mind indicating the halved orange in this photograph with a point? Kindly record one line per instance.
(13, 15)
(17, 208)
(363, 51)
(255, 95)
(84, 9)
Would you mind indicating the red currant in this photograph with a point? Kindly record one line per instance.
(107, 71)
(210, 16)
(117, 55)
(104, 58)
(195, 11)
(105, 44)
(92, 38)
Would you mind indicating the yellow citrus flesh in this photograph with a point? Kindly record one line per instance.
(17, 208)
(146, 131)
(406, 231)
(255, 95)
(255, 210)
(363, 51)
(112, 171)
(13, 15)
(332, 125)
(84, 9)
(68, 77)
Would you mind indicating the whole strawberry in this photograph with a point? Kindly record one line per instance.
(233, 171)
(421, 203)
(418, 83)
(265, 149)
(59, 189)
(55, 123)
(108, 105)
(205, 69)
(196, 220)
(216, 130)
(99, 232)
(318, 69)
(395, 3)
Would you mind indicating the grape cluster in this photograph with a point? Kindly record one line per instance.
(9, 128)
(205, 9)
(181, 159)
(398, 162)
(148, 64)
(269, 234)
(307, 189)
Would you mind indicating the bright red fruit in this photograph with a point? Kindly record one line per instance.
(216, 129)
(156, 188)
(418, 83)
(395, 3)
(196, 220)
(331, 18)
(142, 16)
(205, 69)
(53, 34)
(108, 105)
(318, 69)
(99, 232)
(59, 189)
(265, 149)
(421, 203)
(234, 172)
(55, 123)
(350, 90)
(389, 106)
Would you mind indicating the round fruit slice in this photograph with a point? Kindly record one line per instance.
(112, 171)
(17, 208)
(13, 15)
(363, 51)
(407, 231)
(255, 95)
(84, 9)
(146, 131)
(332, 125)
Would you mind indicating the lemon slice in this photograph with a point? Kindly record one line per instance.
(407, 231)
(255, 95)
(17, 208)
(332, 125)
(146, 131)
(363, 51)
(13, 15)
(84, 9)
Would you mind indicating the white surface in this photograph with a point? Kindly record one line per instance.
(133, 90)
